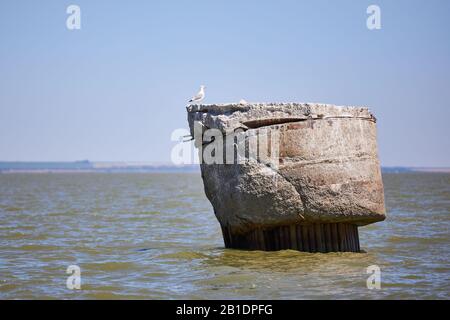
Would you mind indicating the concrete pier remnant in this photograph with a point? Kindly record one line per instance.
(296, 176)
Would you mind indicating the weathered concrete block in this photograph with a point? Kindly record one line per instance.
(303, 176)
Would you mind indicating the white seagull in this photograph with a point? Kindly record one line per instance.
(199, 96)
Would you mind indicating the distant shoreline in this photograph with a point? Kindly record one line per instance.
(87, 166)
(415, 169)
(130, 167)
(178, 170)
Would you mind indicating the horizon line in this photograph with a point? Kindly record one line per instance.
(168, 163)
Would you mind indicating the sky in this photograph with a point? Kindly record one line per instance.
(117, 88)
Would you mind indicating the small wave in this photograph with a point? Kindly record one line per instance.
(184, 255)
(109, 266)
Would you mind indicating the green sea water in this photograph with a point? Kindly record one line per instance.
(154, 236)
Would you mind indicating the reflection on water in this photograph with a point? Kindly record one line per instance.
(153, 236)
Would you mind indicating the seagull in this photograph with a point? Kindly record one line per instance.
(199, 96)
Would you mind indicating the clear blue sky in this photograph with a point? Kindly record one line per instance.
(117, 88)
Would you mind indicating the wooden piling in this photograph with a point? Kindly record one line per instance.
(318, 237)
